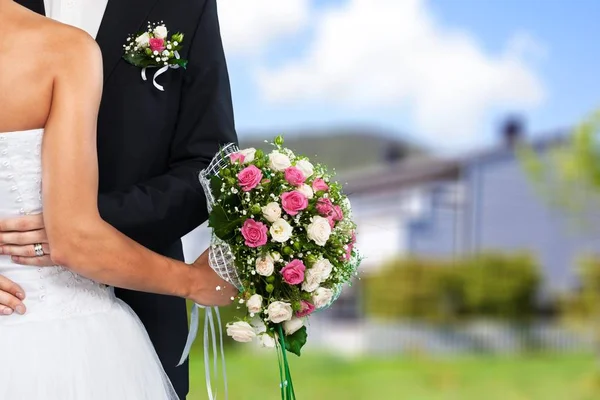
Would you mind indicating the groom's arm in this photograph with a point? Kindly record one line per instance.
(167, 207)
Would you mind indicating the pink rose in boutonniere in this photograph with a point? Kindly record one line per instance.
(153, 49)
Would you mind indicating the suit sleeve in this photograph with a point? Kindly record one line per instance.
(167, 207)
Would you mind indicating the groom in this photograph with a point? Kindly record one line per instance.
(151, 146)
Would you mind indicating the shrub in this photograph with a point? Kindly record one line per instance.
(487, 285)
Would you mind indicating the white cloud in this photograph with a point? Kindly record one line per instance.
(249, 26)
(393, 54)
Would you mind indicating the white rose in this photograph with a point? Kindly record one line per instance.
(323, 268)
(279, 161)
(271, 212)
(241, 331)
(290, 327)
(266, 340)
(279, 311)
(276, 256)
(143, 40)
(312, 280)
(165, 53)
(306, 190)
(322, 297)
(160, 32)
(248, 154)
(265, 265)
(306, 167)
(281, 231)
(319, 230)
(254, 303)
(258, 324)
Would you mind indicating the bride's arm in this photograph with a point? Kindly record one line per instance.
(79, 239)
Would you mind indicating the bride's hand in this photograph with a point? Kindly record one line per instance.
(11, 295)
(211, 290)
(19, 236)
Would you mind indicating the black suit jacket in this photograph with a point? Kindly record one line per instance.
(152, 144)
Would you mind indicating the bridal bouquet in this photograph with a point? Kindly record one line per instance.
(283, 234)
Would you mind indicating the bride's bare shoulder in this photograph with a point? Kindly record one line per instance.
(43, 36)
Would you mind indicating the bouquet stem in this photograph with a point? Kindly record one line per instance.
(285, 376)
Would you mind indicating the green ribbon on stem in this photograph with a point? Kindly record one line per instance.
(285, 376)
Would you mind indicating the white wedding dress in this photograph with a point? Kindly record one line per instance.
(77, 341)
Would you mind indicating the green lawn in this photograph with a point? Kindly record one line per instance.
(320, 377)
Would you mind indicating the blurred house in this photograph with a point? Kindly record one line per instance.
(478, 202)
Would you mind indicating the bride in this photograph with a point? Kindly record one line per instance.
(76, 341)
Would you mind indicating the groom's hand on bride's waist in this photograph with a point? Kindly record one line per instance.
(24, 239)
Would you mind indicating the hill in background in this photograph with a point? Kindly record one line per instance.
(342, 149)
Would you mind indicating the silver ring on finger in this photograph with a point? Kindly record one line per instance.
(38, 249)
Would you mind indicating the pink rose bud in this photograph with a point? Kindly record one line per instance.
(307, 309)
(293, 202)
(324, 207)
(319, 185)
(249, 178)
(348, 254)
(255, 233)
(237, 157)
(294, 176)
(157, 44)
(293, 272)
(338, 214)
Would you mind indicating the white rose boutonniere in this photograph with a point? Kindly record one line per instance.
(153, 49)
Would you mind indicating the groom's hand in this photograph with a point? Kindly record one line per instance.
(210, 289)
(18, 237)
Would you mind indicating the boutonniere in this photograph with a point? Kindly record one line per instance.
(153, 49)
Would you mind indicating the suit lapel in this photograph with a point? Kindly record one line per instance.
(33, 5)
(121, 18)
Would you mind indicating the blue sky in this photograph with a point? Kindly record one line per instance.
(311, 64)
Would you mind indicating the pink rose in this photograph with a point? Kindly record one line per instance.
(319, 185)
(294, 176)
(307, 309)
(293, 272)
(331, 221)
(237, 157)
(337, 214)
(293, 202)
(249, 178)
(324, 207)
(255, 233)
(157, 44)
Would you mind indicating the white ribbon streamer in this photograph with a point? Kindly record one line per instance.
(209, 333)
(161, 71)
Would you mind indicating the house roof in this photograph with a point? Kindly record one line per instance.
(418, 170)
(405, 173)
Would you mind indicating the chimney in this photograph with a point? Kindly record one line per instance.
(394, 153)
(513, 131)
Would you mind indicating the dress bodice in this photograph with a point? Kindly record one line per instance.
(51, 292)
